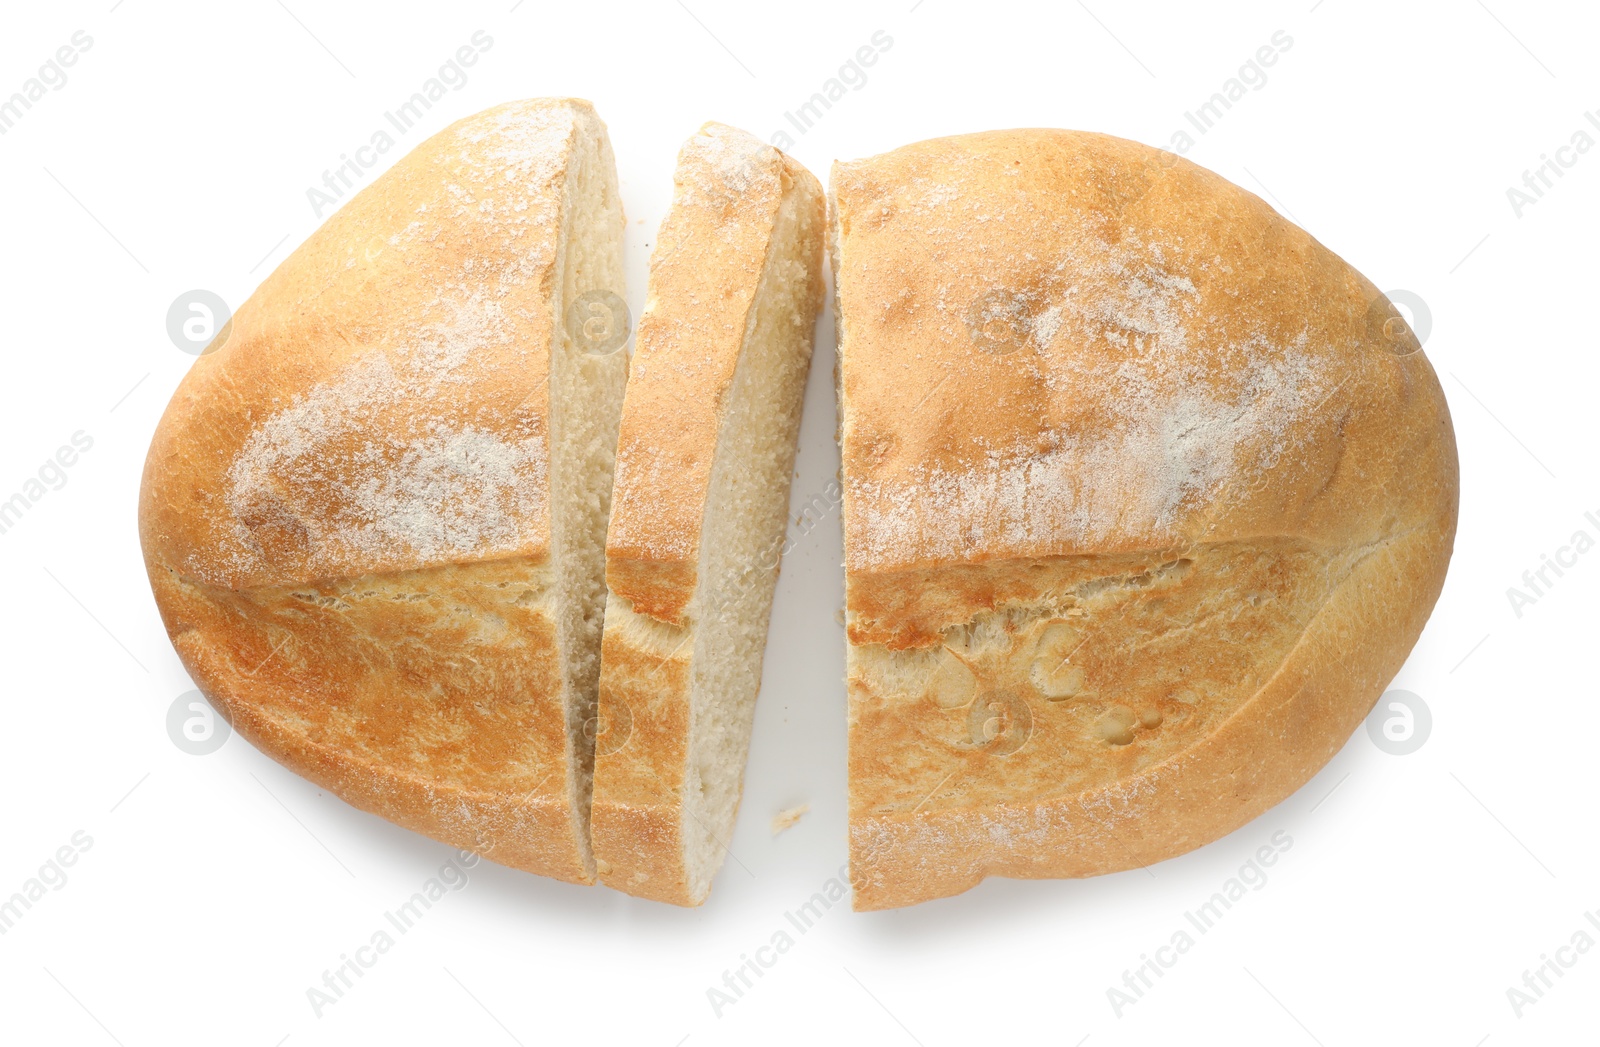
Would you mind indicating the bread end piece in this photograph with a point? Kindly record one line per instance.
(1147, 495)
(374, 519)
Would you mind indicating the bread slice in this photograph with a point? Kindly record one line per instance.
(702, 494)
(374, 520)
(1147, 494)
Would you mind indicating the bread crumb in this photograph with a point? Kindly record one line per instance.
(787, 818)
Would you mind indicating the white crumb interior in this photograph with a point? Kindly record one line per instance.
(585, 407)
(741, 537)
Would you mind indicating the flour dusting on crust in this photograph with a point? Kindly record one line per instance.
(1171, 445)
(724, 162)
(388, 477)
(408, 455)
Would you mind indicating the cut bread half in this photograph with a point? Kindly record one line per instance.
(702, 492)
(1147, 496)
(374, 520)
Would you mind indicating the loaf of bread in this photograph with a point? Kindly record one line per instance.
(699, 512)
(374, 519)
(1147, 495)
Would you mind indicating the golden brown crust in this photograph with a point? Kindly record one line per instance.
(262, 472)
(346, 509)
(704, 277)
(1145, 498)
(636, 824)
(424, 697)
(704, 272)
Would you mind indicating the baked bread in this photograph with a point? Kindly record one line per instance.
(1146, 495)
(699, 511)
(374, 519)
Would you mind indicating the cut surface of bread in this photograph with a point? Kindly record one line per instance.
(374, 520)
(1147, 495)
(704, 461)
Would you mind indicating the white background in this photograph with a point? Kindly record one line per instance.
(219, 888)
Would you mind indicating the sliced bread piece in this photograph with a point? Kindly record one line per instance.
(374, 519)
(1147, 495)
(702, 493)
